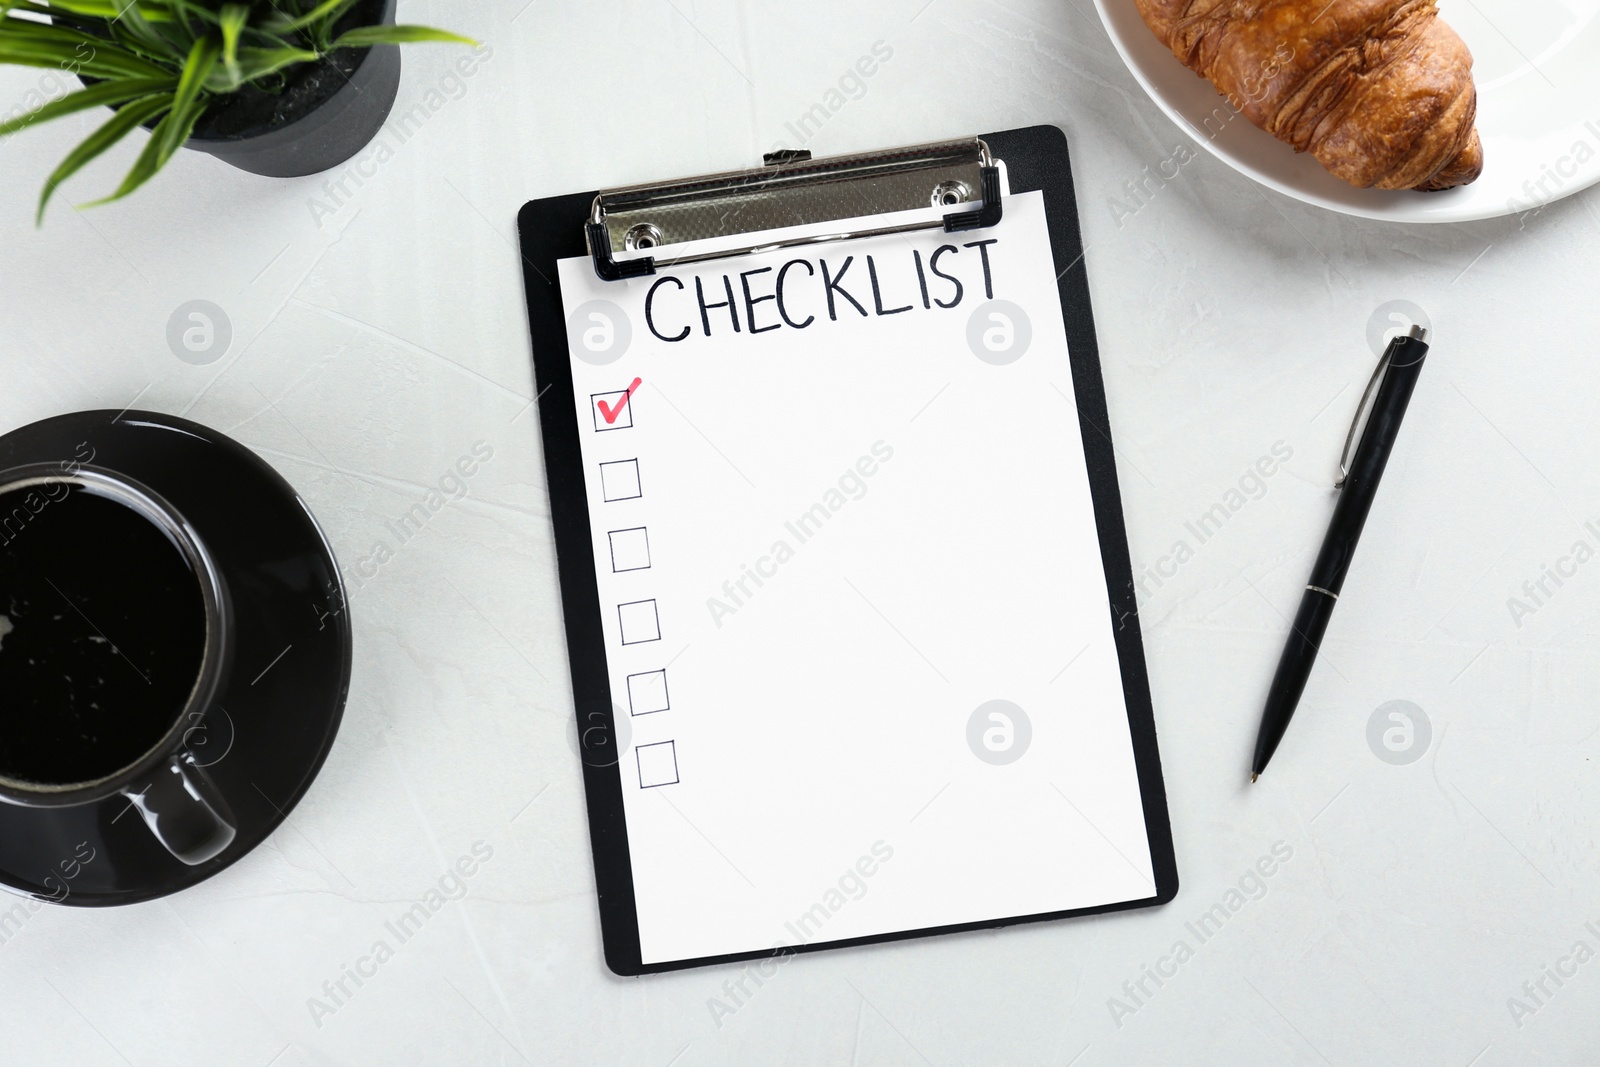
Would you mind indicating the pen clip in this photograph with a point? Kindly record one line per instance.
(1416, 333)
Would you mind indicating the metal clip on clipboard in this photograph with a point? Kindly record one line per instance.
(791, 190)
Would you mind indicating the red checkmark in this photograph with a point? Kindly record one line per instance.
(611, 413)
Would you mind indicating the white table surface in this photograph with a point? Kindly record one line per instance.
(375, 341)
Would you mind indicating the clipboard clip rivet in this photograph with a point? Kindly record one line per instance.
(642, 235)
(950, 193)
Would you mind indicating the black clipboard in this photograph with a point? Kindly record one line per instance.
(562, 227)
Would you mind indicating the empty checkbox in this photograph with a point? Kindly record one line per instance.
(620, 480)
(647, 693)
(630, 550)
(658, 764)
(639, 622)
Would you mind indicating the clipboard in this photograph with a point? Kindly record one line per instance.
(795, 202)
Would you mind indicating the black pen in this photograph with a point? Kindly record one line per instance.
(1398, 370)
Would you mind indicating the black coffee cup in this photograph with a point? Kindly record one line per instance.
(115, 642)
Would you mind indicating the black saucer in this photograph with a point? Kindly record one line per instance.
(280, 709)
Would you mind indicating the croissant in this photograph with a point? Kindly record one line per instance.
(1379, 91)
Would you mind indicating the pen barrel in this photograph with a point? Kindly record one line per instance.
(1405, 356)
(1294, 670)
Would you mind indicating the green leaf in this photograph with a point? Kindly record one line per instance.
(257, 63)
(326, 9)
(106, 94)
(108, 9)
(98, 60)
(365, 36)
(97, 8)
(59, 17)
(130, 21)
(187, 14)
(16, 29)
(202, 60)
(171, 131)
(114, 130)
(234, 18)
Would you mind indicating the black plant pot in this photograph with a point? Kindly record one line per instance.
(328, 112)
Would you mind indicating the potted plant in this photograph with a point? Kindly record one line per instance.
(276, 87)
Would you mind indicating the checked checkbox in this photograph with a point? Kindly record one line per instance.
(612, 411)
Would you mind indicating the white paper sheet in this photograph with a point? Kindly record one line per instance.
(822, 543)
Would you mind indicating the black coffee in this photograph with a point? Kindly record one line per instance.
(102, 632)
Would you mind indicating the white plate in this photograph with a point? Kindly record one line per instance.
(1537, 64)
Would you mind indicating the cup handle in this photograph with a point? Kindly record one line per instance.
(184, 810)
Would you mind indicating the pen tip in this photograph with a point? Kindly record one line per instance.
(1253, 777)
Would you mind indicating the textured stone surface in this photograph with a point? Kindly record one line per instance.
(378, 334)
